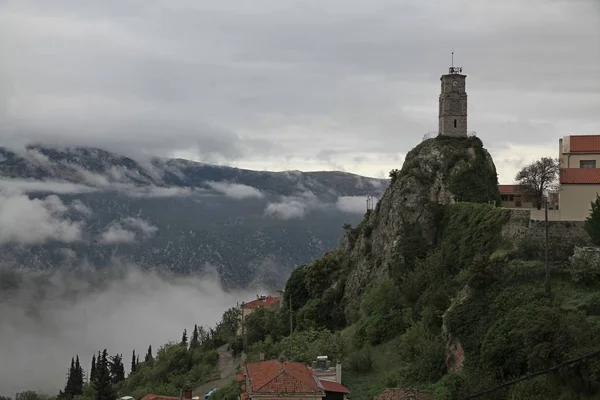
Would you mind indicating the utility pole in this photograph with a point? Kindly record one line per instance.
(547, 283)
(291, 327)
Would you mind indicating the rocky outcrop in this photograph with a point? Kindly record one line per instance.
(438, 171)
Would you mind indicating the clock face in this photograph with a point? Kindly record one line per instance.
(454, 83)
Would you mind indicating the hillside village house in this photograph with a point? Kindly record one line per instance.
(579, 182)
(268, 302)
(279, 380)
(513, 196)
(579, 158)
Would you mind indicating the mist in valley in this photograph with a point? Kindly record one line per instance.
(48, 318)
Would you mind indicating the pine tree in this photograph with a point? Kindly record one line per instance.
(133, 363)
(103, 389)
(93, 369)
(195, 341)
(117, 370)
(184, 339)
(148, 359)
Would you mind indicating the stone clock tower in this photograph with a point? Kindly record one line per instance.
(453, 104)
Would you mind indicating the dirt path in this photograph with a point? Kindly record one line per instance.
(227, 367)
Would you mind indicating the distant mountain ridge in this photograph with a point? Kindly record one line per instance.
(99, 207)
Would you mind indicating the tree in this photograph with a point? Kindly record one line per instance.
(103, 389)
(195, 341)
(592, 223)
(93, 369)
(184, 339)
(117, 370)
(27, 395)
(538, 177)
(149, 359)
(133, 362)
(78, 378)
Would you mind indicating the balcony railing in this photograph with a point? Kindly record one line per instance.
(430, 135)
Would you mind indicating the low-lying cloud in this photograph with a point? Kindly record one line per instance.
(131, 310)
(352, 204)
(128, 230)
(287, 209)
(235, 190)
(26, 220)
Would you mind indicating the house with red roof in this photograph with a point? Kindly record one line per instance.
(186, 394)
(268, 302)
(513, 196)
(579, 158)
(278, 380)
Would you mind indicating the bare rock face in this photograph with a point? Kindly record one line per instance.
(437, 172)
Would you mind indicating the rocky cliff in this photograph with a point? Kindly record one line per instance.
(403, 226)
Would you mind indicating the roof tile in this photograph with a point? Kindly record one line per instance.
(281, 377)
(580, 175)
(585, 143)
(268, 302)
(330, 386)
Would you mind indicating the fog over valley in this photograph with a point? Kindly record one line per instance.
(48, 318)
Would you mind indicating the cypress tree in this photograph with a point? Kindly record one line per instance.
(184, 339)
(93, 369)
(103, 389)
(133, 363)
(117, 370)
(195, 341)
(78, 379)
(592, 222)
(149, 358)
(69, 387)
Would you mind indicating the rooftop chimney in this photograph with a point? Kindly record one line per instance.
(187, 394)
(338, 372)
(262, 355)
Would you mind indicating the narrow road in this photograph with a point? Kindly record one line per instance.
(227, 367)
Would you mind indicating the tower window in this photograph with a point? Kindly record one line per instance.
(455, 123)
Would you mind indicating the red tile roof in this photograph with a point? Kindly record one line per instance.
(404, 394)
(267, 301)
(282, 378)
(585, 143)
(330, 386)
(506, 189)
(580, 175)
(158, 397)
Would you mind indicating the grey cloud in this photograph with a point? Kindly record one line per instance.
(32, 221)
(287, 209)
(236, 190)
(263, 80)
(353, 204)
(128, 230)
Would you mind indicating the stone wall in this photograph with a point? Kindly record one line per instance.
(563, 236)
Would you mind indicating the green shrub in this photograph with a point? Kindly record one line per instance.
(592, 222)
(361, 361)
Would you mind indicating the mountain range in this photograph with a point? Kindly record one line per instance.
(83, 208)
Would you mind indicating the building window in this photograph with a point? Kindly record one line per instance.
(587, 164)
(455, 127)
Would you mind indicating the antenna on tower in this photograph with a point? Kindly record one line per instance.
(452, 59)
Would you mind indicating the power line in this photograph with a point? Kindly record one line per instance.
(535, 374)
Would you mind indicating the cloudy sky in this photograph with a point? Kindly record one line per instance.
(292, 84)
